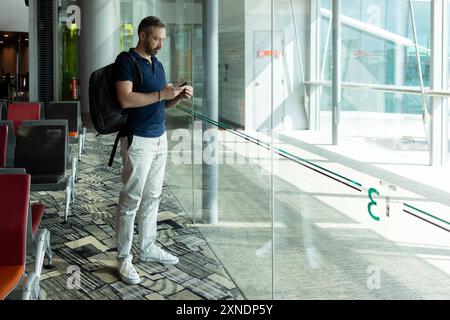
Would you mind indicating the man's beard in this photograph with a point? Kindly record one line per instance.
(150, 51)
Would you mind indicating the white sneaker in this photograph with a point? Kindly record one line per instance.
(157, 254)
(127, 272)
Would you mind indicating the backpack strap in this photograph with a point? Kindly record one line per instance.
(124, 132)
(113, 152)
(137, 72)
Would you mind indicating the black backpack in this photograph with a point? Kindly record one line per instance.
(106, 113)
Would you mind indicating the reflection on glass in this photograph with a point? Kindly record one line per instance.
(378, 48)
(126, 26)
(68, 39)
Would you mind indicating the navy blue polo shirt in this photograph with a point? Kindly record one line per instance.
(148, 121)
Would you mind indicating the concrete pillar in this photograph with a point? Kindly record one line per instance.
(337, 72)
(210, 109)
(400, 54)
(439, 73)
(315, 93)
(100, 40)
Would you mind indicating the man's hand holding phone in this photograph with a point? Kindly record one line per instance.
(170, 92)
(187, 91)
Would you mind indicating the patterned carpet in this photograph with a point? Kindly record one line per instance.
(85, 250)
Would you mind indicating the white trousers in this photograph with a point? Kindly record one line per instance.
(144, 164)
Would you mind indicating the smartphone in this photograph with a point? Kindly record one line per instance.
(182, 85)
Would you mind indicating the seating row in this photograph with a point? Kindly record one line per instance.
(63, 110)
(34, 156)
(41, 149)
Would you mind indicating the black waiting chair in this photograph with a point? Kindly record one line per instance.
(72, 161)
(11, 143)
(71, 111)
(3, 108)
(3, 145)
(42, 149)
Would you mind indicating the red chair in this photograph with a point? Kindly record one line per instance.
(37, 240)
(14, 200)
(18, 112)
(3, 145)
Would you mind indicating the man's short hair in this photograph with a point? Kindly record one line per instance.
(147, 24)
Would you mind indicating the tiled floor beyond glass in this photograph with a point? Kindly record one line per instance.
(87, 243)
(325, 244)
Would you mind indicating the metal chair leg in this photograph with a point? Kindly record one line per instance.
(72, 189)
(28, 288)
(74, 169)
(40, 242)
(84, 139)
(80, 146)
(48, 252)
(68, 196)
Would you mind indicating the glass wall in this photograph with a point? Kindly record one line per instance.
(233, 186)
(306, 224)
(337, 229)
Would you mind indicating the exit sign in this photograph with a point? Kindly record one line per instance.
(268, 53)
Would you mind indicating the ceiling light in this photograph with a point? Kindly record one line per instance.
(6, 35)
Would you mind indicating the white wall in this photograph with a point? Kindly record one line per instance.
(289, 110)
(232, 61)
(13, 16)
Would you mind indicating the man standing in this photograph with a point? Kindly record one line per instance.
(144, 158)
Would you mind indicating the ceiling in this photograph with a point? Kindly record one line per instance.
(13, 15)
(12, 38)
